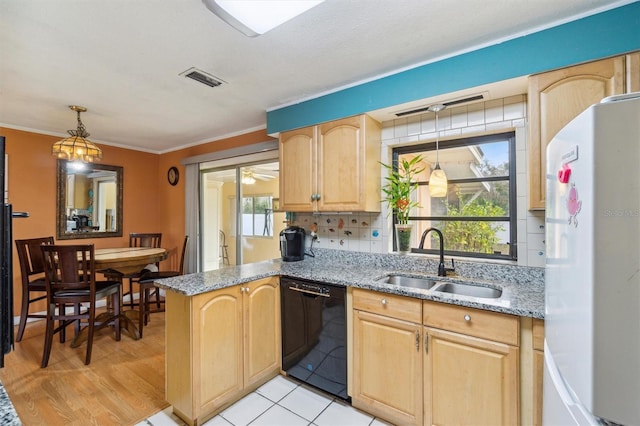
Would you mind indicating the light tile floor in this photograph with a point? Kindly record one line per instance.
(280, 402)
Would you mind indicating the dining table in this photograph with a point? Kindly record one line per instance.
(124, 260)
(127, 259)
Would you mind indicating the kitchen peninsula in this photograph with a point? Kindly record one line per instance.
(223, 328)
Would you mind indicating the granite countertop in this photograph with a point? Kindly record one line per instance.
(8, 415)
(522, 287)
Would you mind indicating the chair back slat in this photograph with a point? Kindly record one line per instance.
(184, 251)
(30, 255)
(138, 239)
(69, 267)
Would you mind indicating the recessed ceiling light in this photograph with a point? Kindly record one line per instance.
(255, 17)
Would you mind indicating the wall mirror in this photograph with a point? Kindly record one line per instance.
(89, 202)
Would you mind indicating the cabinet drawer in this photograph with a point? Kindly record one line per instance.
(391, 305)
(538, 334)
(473, 322)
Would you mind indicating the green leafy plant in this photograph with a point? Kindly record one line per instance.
(400, 185)
(474, 236)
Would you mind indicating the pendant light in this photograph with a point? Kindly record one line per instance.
(77, 146)
(437, 180)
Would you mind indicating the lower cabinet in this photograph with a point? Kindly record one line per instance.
(470, 366)
(432, 363)
(219, 346)
(387, 351)
(538, 369)
(469, 380)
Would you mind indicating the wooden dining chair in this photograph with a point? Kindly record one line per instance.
(32, 277)
(147, 283)
(70, 278)
(224, 253)
(136, 239)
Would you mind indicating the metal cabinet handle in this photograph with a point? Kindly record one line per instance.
(314, 293)
(384, 302)
(417, 341)
(467, 317)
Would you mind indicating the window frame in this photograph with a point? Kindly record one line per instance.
(253, 215)
(510, 137)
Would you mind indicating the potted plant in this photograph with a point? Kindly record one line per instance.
(398, 190)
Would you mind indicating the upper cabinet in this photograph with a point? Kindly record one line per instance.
(331, 166)
(557, 97)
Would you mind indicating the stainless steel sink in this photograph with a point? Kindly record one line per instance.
(470, 290)
(409, 281)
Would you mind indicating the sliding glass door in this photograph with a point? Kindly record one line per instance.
(238, 223)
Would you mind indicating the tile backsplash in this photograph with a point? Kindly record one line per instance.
(370, 232)
(366, 232)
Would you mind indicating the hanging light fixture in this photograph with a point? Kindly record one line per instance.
(247, 178)
(77, 146)
(437, 180)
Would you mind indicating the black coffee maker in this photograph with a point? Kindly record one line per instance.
(292, 243)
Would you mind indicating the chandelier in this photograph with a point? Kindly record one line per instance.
(77, 146)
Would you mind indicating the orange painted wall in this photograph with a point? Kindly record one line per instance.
(150, 203)
(171, 198)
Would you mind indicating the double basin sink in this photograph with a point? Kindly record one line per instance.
(425, 283)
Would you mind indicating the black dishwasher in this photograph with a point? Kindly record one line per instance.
(314, 334)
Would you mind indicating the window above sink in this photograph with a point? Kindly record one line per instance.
(478, 215)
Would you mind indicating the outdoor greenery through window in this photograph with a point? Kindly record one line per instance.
(257, 216)
(478, 215)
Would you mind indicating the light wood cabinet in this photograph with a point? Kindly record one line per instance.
(556, 98)
(331, 166)
(219, 346)
(421, 362)
(470, 378)
(387, 364)
(538, 369)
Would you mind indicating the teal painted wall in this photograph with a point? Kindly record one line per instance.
(605, 34)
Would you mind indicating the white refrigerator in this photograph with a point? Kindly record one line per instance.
(592, 273)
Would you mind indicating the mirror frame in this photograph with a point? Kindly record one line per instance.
(61, 221)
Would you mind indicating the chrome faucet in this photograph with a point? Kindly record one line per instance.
(442, 271)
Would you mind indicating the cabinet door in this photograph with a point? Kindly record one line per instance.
(297, 170)
(341, 156)
(262, 330)
(469, 381)
(538, 372)
(557, 97)
(387, 368)
(217, 348)
(633, 72)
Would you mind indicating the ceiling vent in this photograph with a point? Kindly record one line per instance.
(446, 104)
(202, 77)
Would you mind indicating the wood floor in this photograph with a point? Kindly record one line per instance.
(123, 385)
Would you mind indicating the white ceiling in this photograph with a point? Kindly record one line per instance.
(122, 59)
